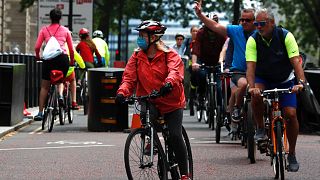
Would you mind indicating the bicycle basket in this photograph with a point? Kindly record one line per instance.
(56, 76)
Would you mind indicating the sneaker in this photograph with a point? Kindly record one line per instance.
(75, 106)
(236, 115)
(260, 135)
(185, 177)
(38, 117)
(293, 163)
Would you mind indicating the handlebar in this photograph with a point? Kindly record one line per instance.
(276, 91)
(229, 74)
(153, 95)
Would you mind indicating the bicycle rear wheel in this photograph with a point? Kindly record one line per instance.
(138, 162)
(61, 115)
(251, 144)
(84, 97)
(219, 124)
(279, 165)
(49, 114)
(69, 107)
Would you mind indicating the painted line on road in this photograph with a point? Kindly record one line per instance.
(55, 147)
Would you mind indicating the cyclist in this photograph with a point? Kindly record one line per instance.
(102, 47)
(60, 62)
(86, 48)
(239, 35)
(206, 50)
(274, 71)
(155, 66)
(72, 80)
(179, 46)
(189, 90)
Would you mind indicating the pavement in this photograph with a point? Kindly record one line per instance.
(4, 130)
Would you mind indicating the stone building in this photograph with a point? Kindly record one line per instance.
(18, 30)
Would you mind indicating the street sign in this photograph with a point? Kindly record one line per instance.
(82, 14)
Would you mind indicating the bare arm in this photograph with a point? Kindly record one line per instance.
(299, 73)
(211, 24)
(250, 74)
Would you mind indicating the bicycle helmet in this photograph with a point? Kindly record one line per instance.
(213, 16)
(152, 27)
(83, 32)
(97, 33)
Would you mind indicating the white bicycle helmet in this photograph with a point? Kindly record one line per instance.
(97, 33)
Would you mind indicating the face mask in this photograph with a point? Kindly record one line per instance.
(142, 43)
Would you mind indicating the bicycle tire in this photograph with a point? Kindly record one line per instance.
(191, 107)
(251, 145)
(279, 154)
(199, 113)
(188, 146)
(69, 108)
(218, 125)
(137, 138)
(85, 98)
(211, 107)
(61, 115)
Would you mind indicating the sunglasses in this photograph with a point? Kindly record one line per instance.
(245, 20)
(260, 23)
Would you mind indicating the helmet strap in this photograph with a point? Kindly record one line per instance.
(149, 45)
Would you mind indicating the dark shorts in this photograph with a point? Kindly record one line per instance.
(235, 78)
(60, 62)
(286, 100)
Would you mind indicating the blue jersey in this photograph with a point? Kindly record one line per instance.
(236, 34)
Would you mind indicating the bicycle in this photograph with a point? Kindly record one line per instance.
(276, 144)
(82, 91)
(66, 112)
(51, 109)
(207, 105)
(145, 156)
(223, 119)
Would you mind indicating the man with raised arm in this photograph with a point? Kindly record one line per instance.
(238, 34)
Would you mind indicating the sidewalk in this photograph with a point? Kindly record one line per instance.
(4, 130)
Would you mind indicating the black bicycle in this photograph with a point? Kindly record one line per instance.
(145, 156)
(66, 111)
(223, 119)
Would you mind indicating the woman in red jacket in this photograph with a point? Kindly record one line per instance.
(86, 48)
(155, 66)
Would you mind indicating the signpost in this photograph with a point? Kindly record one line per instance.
(82, 14)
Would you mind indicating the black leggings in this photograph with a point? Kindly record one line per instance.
(174, 121)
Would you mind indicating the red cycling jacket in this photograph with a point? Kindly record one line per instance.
(146, 76)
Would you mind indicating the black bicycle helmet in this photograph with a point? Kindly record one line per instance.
(152, 27)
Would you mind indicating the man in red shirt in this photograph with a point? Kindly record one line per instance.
(206, 50)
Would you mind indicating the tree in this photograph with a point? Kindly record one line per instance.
(302, 18)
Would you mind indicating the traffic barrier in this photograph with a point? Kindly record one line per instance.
(32, 75)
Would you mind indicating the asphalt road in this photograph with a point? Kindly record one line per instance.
(71, 152)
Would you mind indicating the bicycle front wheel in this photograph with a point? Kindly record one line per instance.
(251, 144)
(279, 165)
(138, 162)
(188, 146)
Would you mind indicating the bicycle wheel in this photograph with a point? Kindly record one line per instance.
(279, 164)
(138, 162)
(85, 97)
(61, 115)
(188, 146)
(251, 144)
(69, 108)
(211, 107)
(49, 115)
(219, 124)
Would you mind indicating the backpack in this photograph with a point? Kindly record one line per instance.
(52, 48)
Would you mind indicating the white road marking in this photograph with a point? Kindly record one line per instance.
(55, 147)
(75, 143)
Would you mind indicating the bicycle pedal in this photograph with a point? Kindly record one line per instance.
(174, 165)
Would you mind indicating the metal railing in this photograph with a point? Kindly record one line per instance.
(32, 76)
